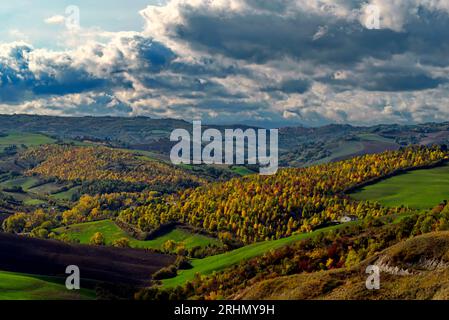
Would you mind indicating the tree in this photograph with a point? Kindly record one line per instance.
(15, 223)
(169, 245)
(40, 233)
(352, 258)
(121, 243)
(97, 239)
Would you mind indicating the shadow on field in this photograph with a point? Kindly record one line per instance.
(103, 264)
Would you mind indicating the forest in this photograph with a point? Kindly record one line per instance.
(256, 208)
(125, 189)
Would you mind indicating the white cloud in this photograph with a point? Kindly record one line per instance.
(293, 60)
(321, 32)
(57, 20)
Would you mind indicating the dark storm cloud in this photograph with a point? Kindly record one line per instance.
(25, 72)
(263, 37)
(155, 53)
(270, 60)
(290, 86)
(398, 82)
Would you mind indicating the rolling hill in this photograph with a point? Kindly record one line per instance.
(83, 232)
(423, 262)
(102, 264)
(14, 286)
(257, 208)
(298, 146)
(100, 163)
(266, 215)
(418, 189)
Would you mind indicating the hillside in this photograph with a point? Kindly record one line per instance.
(298, 146)
(83, 232)
(70, 163)
(238, 233)
(50, 258)
(318, 264)
(417, 189)
(256, 208)
(425, 259)
(14, 286)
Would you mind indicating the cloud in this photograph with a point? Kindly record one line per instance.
(257, 61)
(321, 32)
(57, 19)
(25, 71)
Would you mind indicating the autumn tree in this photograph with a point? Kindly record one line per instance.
(97, 239)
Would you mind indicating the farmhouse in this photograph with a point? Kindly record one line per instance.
(347, 218)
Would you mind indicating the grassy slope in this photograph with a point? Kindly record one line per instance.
(28, 139)
(83, 232)
(243, 171)
(25, 182)
(25, 198)
(30, 197)
(420, 189)
(47, 188)
(65, 195)
(346, 149)
(423, 283)
(219, 262)
(343, 149)
(15, 286)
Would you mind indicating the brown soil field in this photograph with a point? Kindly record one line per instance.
(98, 264)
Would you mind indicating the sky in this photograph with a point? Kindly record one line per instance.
(267, 62)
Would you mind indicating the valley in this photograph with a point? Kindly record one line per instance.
(196, 227)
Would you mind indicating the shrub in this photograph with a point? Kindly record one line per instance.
(182, 263)
(121, 243)
(165, 273)
(15, 223)
(98, 239)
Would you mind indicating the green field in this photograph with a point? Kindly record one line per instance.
(418, 189)
(25, 198)
(27, 139)
(84, 231)
(219, 262)
(31, 194)
(15, 286)
(242, 171)
(46, 189)
(33, 202)
(65, 195)
(25, 182)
